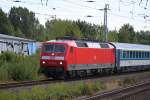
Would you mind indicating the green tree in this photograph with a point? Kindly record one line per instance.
(113, 36)
(126, 34)
(40, 32)
(143, 37)
(23, 19)
(19, 33)
(5, 24)
(60, 28)
(90, 31)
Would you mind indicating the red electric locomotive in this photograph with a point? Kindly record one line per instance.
(76, 58)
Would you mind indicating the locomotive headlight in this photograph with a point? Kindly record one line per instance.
(43, 62)
(60, 63)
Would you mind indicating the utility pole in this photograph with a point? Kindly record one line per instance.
(105, 33)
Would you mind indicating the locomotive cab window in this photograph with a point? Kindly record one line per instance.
(54, 48)
(48, 48)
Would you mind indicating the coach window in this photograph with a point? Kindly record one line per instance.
(144, 54)
(140, 54)
(134, 54)
(137, 54)
(124, 54)
(148, 55)
(131, 54)
(128, 54)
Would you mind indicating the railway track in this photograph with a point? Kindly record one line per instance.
(26, 83)
(139, 91)
(50, 81)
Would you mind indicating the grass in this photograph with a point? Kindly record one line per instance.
(128, 81)
(112, 84)
(66, 91)
(8, 96)
(57, 91)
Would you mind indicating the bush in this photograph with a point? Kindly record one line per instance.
(4, 74)
(18, 67)
(7, 57)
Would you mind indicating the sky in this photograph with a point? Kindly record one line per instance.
(134, 12)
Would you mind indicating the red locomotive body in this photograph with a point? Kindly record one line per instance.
(69, 57)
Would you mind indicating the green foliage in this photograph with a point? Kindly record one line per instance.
(23, 19)
(19, 33)
(128, 81)
(7, 96)
(126, 34)
(22, 23)
(93, 32)
(4, 74)
(18, 67)
(40, 33)
(5, 24)
(143, 37)
(24, 95)
(57, 91)
(38, 93)
(113, 36)
(60, 28)
(8, 57)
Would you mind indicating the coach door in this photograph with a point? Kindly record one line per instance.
(117, 57)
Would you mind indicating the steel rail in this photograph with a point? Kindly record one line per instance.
(49, 81)
(26, 83)
(121, 92)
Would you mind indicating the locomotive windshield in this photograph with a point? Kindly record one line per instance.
(54, 48)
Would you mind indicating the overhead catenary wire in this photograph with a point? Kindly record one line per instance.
(76, 5)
